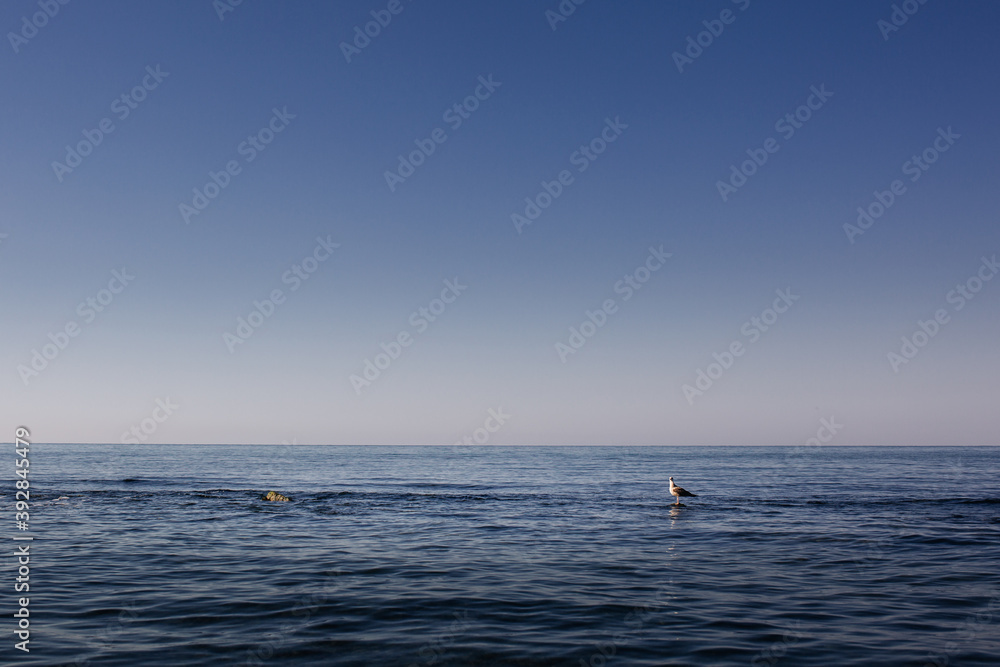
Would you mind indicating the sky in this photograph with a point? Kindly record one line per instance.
(500, 223)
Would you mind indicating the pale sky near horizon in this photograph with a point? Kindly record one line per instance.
(637, 225)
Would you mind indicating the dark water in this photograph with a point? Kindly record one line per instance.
(513, 556)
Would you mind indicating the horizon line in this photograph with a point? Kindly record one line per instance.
(485, 446)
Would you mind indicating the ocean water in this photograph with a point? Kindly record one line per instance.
(512, 556)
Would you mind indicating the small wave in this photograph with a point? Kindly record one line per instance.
(326, 495)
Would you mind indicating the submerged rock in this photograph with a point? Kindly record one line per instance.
(274, 495)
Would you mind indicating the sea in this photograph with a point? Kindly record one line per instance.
(521, 556)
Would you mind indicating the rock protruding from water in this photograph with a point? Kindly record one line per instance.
(274, 495)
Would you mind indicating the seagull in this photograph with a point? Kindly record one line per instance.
(678, 491)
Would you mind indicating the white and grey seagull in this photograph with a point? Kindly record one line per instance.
(679, 492)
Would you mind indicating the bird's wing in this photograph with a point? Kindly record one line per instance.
(683, 492)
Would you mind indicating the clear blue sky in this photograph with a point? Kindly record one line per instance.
(277, 72)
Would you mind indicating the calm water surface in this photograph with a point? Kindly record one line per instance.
(513, 556)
